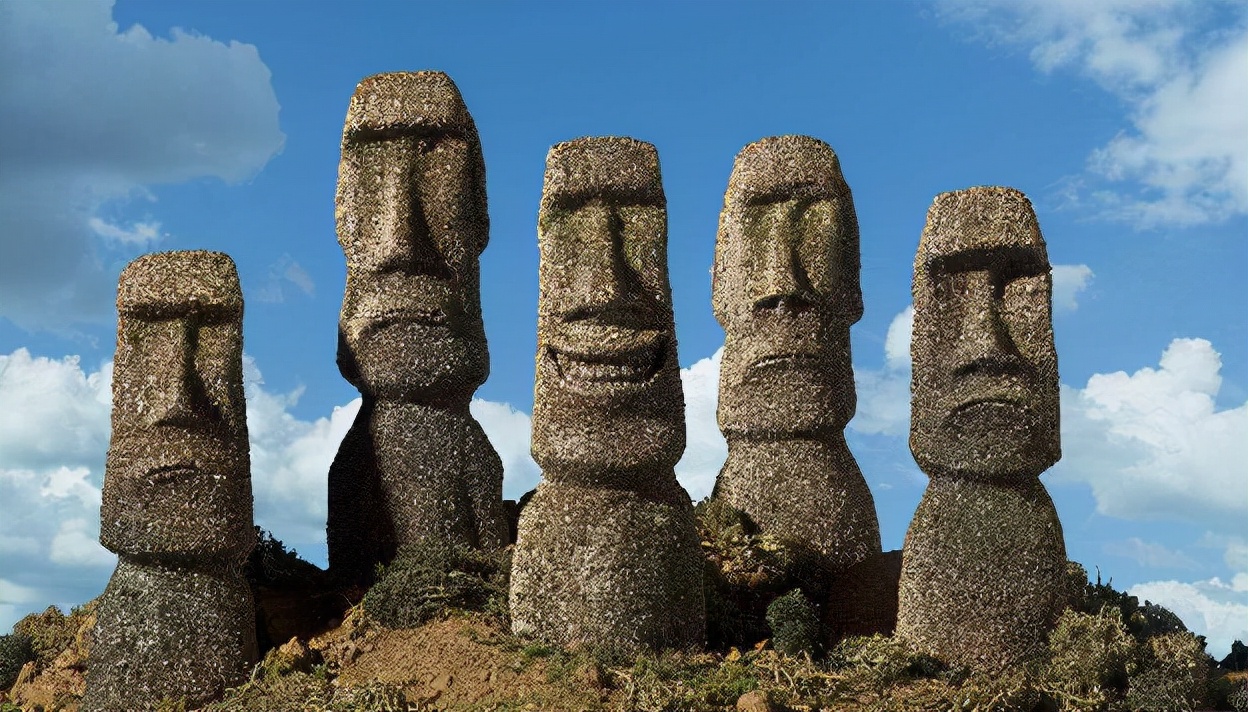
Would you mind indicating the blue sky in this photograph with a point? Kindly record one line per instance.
(139, 126)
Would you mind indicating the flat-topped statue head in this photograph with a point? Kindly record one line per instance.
(984, 390)
(177, 481)
(412, 221)
(785, 289)
(607, 394)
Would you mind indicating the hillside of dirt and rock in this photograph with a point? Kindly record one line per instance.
(432, 634)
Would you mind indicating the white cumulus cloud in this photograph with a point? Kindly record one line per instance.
(884, 393)
(1212, 608)
(1152, 445)
(510, 432)
(705, 447)
(1068, 282)
(92, 115)
(1179, 68)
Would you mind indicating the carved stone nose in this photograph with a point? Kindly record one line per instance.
(780, 284)
(406, 242)
(175, 392)
(602, 276)
(982, 336)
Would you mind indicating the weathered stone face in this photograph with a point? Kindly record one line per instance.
(608, 395)
(984, 389)
(412, 221)
(785, 289)
(177, 480)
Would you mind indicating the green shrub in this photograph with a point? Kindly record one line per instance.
(746, 571)
(794, 623)
(1172, 675)
(877, 661)
(271, 564)
(15, 651)
(1088, 656)
(430, 578)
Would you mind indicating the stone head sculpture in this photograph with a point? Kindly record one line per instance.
(607, 370)
(178, 481)
(412, 221)
(785, 289)
(984, 390)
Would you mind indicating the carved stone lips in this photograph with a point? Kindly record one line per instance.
(428, 317)
(172, 473)
(783, 362)
(630, 366)
(589, 354)
(1011, 401)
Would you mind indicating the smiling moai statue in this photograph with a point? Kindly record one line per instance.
(177, 619)
(983, 566)
(607, 552)
(412, 222)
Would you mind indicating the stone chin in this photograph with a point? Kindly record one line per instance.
(177, 506)
(582, 425)
(408, 360)
(783, 395)
(999, 441)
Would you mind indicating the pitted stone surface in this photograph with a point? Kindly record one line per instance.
(603, 566)
(984, 393)
(983, 567)
(161, 633)
(412, 222)
(607, 551)
(176, 502)
(863, 598)
(785, 289)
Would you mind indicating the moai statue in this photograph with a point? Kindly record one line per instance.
(983, 567)
(412, 221)
(785, 289)
(177, 619)
(607, 552)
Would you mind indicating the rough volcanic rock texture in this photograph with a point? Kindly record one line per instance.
(177, 618)
(982, 577)
(863, 598)
(169, 632)
(785, 289)
(607, 551)
(412, 222)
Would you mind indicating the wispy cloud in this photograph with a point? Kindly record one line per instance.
(1150, 554)
(139, 234)
(285, 271)
(1179, 68)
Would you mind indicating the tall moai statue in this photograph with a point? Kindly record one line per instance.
(785, 289)
(412, 222)
(983, 566)
(607, 551)
(177, 618)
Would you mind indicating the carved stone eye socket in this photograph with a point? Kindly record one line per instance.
(197, 314)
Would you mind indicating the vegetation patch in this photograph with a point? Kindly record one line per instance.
(431, 578)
